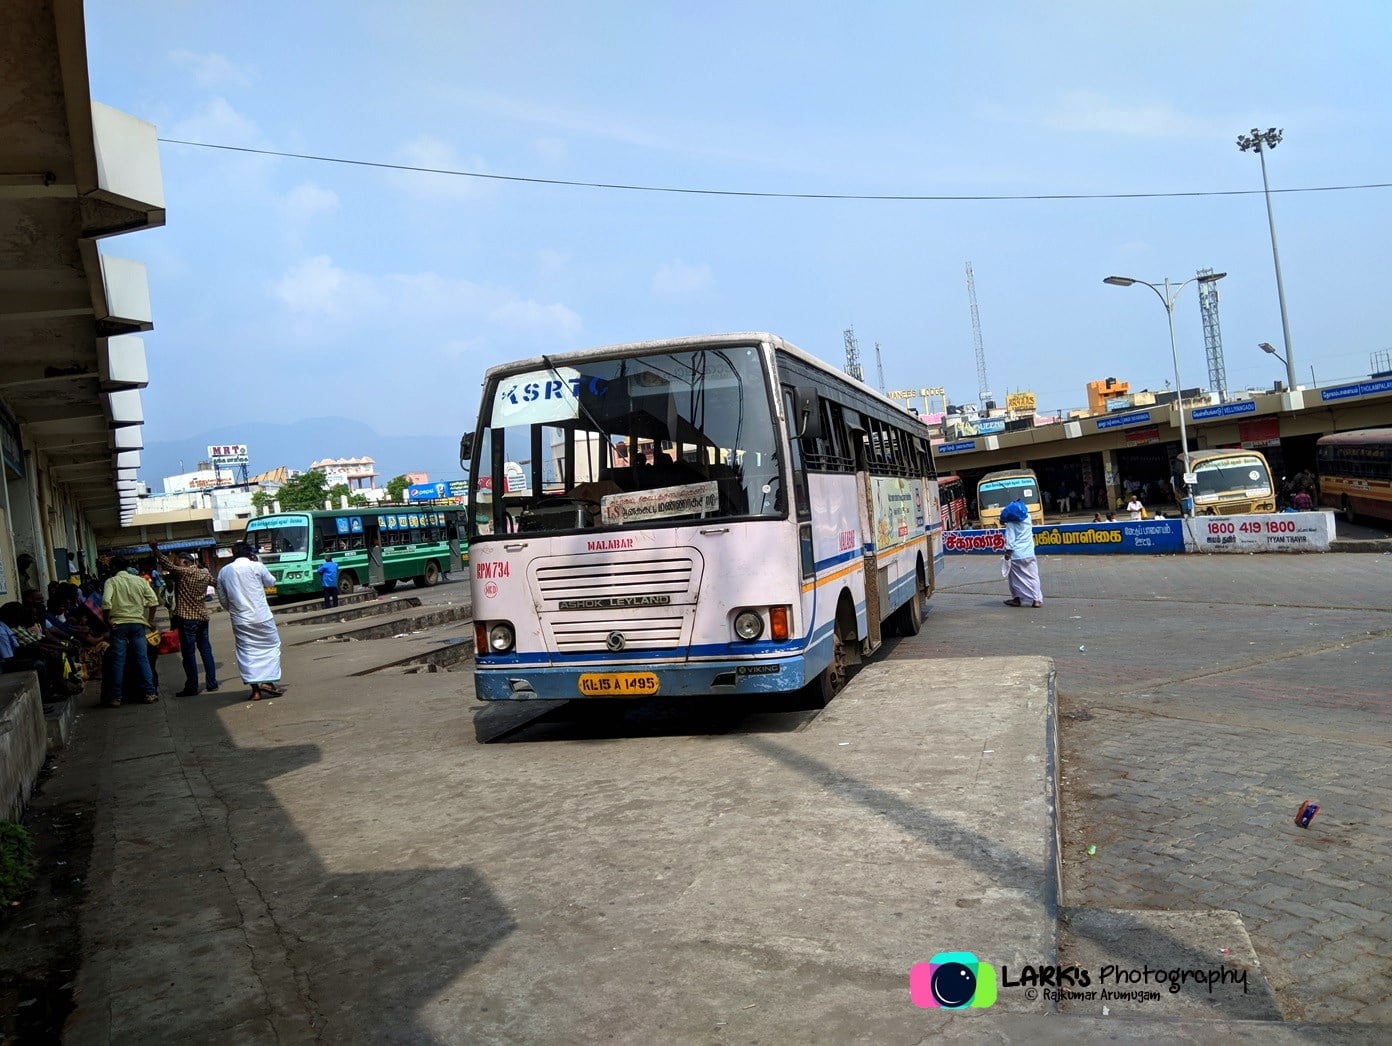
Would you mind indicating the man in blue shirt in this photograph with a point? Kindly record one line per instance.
(328, 577)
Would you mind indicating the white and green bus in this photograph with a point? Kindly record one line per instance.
(376, 546)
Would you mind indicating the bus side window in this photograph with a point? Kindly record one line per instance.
(800, 498)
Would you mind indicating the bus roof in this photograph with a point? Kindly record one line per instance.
(1356, 437)
(1198, 457)
(642, 348)
(992, 477)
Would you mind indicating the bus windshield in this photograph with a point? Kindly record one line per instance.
(628, 442)
(1240, 472)
(276, 538)
(999, 493)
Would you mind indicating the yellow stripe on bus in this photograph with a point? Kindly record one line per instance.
(860, 565)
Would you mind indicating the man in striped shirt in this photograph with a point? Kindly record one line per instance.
(190, 618)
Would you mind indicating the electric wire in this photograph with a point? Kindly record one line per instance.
(755, 194)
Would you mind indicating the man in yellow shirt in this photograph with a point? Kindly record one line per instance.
(128, 604)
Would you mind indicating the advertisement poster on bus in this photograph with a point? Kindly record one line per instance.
(898, 511)
(1268, 532)
(1143, 537)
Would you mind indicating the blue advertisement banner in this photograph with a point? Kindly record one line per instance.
(1363, 388)
(1227, 410)
(1135, 537)
(953, 448)
(428, 491)
(1124, 419)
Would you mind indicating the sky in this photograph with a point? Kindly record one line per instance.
(286, 289)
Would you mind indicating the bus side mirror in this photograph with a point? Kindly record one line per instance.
(809, 413)
(466, 448)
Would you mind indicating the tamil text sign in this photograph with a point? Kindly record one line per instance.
(1152, 537)
(1268, 532)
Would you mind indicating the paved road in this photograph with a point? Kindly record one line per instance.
(1201, 700)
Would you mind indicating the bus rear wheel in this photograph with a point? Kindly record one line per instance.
(431, 577)
(347, 581)
(908, 619)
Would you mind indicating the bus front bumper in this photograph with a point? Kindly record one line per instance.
(690, 679)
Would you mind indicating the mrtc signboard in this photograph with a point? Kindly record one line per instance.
(1145, 537)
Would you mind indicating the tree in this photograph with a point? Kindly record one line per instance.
(340, 490)
(304, 493)
(396, 489)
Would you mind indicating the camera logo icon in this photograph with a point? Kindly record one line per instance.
(952, 981)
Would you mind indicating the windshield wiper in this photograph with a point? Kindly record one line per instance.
(578, 402)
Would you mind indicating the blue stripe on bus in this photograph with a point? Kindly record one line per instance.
(837, 560)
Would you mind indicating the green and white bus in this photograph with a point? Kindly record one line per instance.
(374, 545)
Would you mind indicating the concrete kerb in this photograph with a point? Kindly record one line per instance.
(369, 608)
(361, 595)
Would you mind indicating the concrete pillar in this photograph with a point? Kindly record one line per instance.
(1111, 480)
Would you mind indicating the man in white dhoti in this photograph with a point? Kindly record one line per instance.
(241, 589)
(1023, 567)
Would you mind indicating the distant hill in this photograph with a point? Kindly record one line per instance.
(297, 443)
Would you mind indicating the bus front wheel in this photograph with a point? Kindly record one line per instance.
(347, 581)
(832, 679)
(431, 577)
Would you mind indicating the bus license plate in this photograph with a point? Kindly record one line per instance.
(618, 684)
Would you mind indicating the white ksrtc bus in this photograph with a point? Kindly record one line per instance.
(711, 515)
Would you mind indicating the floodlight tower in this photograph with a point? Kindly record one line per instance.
(1212, 335)
(983, 391)
(853, 367)
(1260, 142)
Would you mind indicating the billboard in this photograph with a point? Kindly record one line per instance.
(1021, 401)
(229, 454)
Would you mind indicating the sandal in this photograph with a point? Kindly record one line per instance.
(273, 689)
(1013, 603)
(255, 694)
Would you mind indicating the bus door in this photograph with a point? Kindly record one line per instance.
(452, 529)
(876, 577)
(376, 566)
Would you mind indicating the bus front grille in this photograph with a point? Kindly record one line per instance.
(637, 580)
(590, 634)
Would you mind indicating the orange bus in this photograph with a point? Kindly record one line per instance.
(1354, 472)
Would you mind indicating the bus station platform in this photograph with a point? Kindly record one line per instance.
(350, 862)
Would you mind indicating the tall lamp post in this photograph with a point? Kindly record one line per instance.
(1260, 142)
(1168, 298)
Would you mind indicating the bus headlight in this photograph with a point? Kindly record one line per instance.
(500, 638)
(748, 625)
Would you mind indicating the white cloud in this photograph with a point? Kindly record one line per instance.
(1088, 111)
(317, 293)
(218, 123)
(306, 200)
(213, 70)
(317, 288)
(551, 150)
(549, 260)
(436, 155)
(677, 279)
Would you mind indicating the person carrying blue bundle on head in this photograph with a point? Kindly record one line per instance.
(1022, 568)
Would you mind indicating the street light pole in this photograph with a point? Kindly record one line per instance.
(1259, 142)
(1168, 299)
